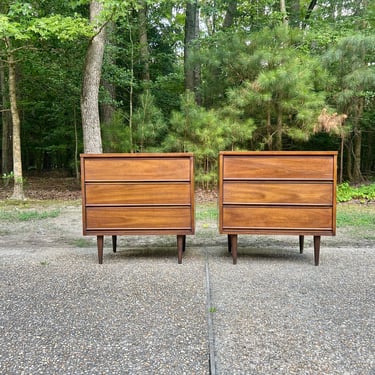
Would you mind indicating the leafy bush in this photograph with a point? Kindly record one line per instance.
(345, 192)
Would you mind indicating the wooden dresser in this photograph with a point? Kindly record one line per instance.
(136, 194)
(277, 193)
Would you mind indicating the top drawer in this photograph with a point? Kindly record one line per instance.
(277, 166)
(137, 168)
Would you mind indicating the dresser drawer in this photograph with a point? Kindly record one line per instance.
(128, 219)
(138, 194)
(277, 193)
(269, 219)
(283, 167)
(137, 169)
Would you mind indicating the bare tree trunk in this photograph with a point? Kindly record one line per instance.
(357, 142)
(283, 12)
(6, 144)
(143, 41)
(279, 132)
(92, 140)
(192, 71)
(131, 91)
(269, 128)
(18, 193)
(310, 9)
(341, 158)
(294, 14)
(107, 109)
(76, 166)
(349, 161)
(230, 14)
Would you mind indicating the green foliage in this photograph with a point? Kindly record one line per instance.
(204, 132)
(149, 125)
(280, 93)
(7, 177)
(351, 61)
(61, 27)
(259, 80)
(346, 193)
(23, 23)
(196, 130)
(116, 135)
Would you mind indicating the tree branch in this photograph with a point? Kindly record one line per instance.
(310, 9)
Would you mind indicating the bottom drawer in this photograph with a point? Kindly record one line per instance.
(276, 218)
(138, 219)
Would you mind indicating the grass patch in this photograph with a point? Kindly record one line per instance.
(27, 215)
(206, 212)
(356, 215)
(82, 242)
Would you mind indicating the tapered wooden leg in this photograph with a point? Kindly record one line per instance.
(180, 246)
(114, 243)
(229, 244)
(100, 241)
(301, 242)
(184, 244)
(316, 249)
(233, 246)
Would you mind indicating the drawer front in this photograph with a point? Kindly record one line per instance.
(138, 194)
(277, 218)
(138, 219)
(278, 167)
(137, 169)
(274, 193)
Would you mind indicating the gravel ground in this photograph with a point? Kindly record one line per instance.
(142, 313)
(278, 314)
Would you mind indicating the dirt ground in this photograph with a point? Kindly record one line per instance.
(48, 194)
(60, 200)
(67, 188)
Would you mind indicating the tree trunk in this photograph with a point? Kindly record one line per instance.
(92, 140)
(294, 14)
(269, 129)
(310, 9)
(6, 144)
(230, 14)
(143, 41)
(357, 142)
(18, 193)
(107, 109)
(349, 161)
(191, 70)
(279, 132)
(341, 158)
(283, 12)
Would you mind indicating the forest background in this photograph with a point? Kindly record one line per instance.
(175, 76)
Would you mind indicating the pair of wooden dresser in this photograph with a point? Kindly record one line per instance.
(290, 193)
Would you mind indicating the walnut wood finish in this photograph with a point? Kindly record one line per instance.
(277, 193)
(135, 194)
